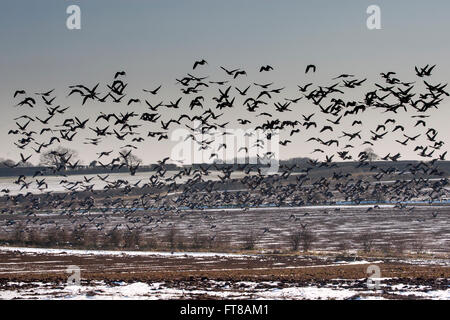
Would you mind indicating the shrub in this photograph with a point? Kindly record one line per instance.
(303, 238)
(150, 242)
(18, 235)
(366, 240)
(132, 239)
(307, 239)
(171, 238)
(249, 241)
(418, 245)
(400, 246)
(115, 238)
(199, 242)
(343, 245)
(386, 247)
(56, 237)
(295, 239)
(33, 237)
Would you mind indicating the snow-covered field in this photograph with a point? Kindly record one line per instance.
(335, 227)
(218, 289)
(40, 273)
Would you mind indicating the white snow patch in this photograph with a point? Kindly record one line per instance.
(119, 253)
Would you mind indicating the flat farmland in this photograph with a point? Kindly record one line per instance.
(422, 228)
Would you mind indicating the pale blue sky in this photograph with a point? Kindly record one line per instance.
(157, 41)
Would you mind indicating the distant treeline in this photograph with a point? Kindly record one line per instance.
(301, 163)
(31, 170)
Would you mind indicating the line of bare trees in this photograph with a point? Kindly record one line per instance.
(300, 239)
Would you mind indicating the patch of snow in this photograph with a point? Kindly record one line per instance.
(119, 253)
(238, 290)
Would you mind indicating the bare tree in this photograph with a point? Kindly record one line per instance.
(367, 241)
(132, 239)
(19, 234)
(199, 242)
(307, 238)
(295, 239)
(150, 242)
(371, 155)
(115, 238)
(6, 163)
(131, 159)
(132, 162)
(10, 163)
(58, 157)
(25, 164)
(303, 238)
(250, 240)
(171, 236)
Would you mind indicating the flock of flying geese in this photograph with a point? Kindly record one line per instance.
(190, 189)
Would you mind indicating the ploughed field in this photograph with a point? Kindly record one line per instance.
(29, 273)
(173, 255)
(418, 228)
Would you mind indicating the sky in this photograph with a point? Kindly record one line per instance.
(158, 41)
